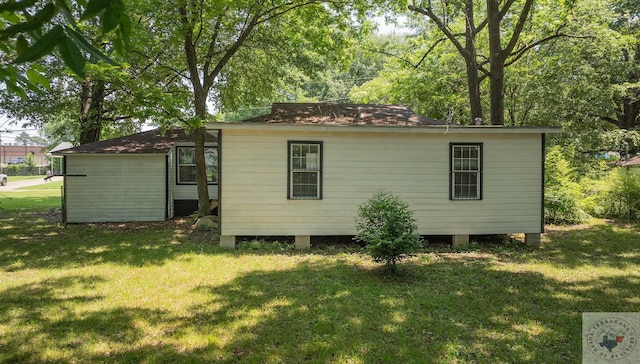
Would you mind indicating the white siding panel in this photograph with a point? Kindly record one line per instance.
(103, 188)
(355, 166)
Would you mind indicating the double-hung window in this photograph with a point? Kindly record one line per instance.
(186, 170)
(305, 170)
(465, 171)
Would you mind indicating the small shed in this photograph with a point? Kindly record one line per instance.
(304, 169)
(148, 176)
(56, 159)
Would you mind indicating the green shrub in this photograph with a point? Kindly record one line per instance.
(562, 205)
(619, 196)
(387, 228)
(562, 192)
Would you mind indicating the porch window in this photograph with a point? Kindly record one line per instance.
(186, 169)
(305, 170)
(465, 172)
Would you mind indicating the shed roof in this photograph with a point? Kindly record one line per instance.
(60, 147)
(343, 114)
(154, 141)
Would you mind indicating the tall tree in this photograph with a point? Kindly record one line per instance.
(626, 21)
(500, 17)
(239, 51)
(468, 50)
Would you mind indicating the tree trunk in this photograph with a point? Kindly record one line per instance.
(629, 111)
(496, 59)
(200, 100)
(91, 98)
(473, 80)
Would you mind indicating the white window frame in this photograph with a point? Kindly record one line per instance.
(465, 163)
(212, 168)
(300, 165)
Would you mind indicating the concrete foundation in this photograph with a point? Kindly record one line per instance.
(228, 241)
(460, 241)
(303, 242)
(532, 239)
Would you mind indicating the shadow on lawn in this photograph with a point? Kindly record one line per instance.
(458, 307)
(449, 310)
(604, 245)
(39, 243)
(51, 329)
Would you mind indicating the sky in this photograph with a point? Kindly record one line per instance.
(9, 131)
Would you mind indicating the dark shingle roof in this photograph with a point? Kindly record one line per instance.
(632, 161)
(149, 142)
(343, 115)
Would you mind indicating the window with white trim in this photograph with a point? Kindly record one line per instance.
(186, 169)
(465, 171)
(305, 170)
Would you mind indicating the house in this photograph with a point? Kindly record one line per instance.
(304, 169)
(17, 154)
(149, 176)
(633, 161)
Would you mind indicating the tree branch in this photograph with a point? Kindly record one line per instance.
(447, 32)
(257, 19)
(189, 46)
(516, 55)
(404, 60)
(212, 43)
(524, 14)
(503, 12)
(177, 73)
(433, 46)
(117, 118)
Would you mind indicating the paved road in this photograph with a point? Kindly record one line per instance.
(15, 185)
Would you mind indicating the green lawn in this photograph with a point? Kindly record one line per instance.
(163, 293)
(42, 197)
(23, 178)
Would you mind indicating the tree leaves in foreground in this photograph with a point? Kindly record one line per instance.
(30, 30)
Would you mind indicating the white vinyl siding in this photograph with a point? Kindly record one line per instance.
(114, 188)
(357, 164)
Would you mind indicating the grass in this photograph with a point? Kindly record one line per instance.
(160, 292)
(42, 197)
(23, 178)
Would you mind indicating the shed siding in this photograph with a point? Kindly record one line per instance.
(356, 165)
(113, 188)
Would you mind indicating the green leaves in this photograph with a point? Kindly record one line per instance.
(112, 15)
(43, 15)
(69, 43)
(94, 7)
(42, 46)
(82, 42)
(72, 56)
(53, 26)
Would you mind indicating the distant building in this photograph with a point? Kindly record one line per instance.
(9, 152)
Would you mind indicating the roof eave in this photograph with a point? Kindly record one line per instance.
(428, 129)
